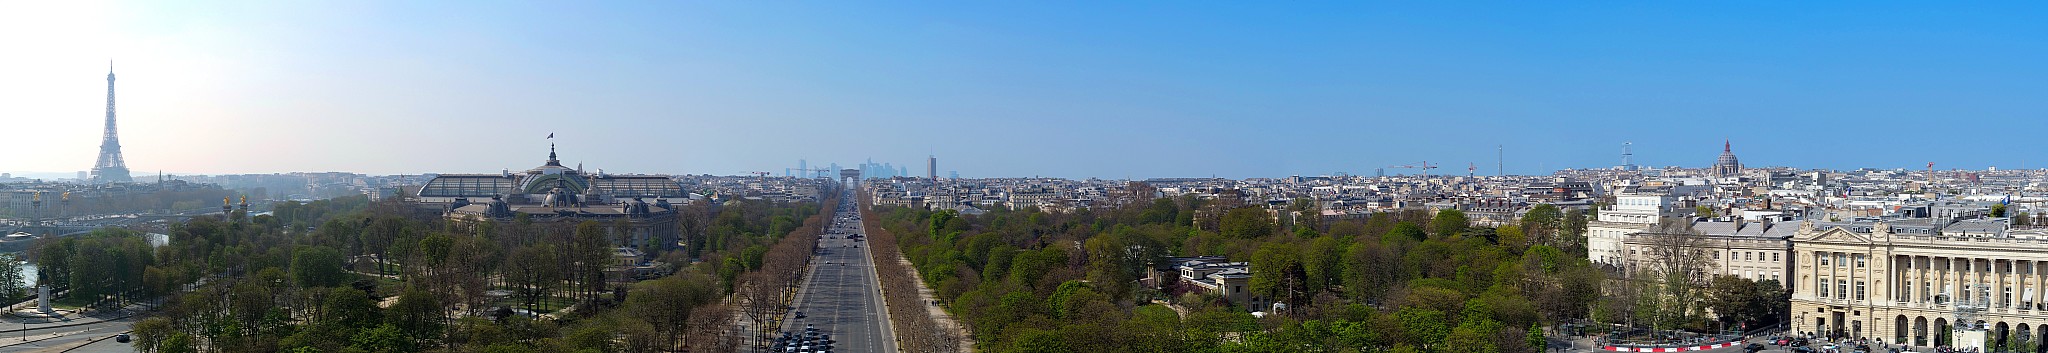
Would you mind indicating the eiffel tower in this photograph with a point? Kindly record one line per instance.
(110, 168)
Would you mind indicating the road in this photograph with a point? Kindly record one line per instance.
(57, 339)
(841, 297)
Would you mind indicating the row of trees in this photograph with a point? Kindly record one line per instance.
(908, 315)
(764, 294)
(107, 268)
(378, 277)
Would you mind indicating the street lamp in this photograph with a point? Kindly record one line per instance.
(1801, 322)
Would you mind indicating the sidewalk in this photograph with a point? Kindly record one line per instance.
(938, 314)
(18, 340)
(11, 323)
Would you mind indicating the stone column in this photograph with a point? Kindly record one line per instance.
(2034, 282)
(1998, 285)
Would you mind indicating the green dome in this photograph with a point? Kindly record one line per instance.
(541, 184)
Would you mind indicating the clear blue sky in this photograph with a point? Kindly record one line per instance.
(1070, 89)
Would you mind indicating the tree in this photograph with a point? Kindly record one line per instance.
(318, 266)
(1370, 269)
(1735, 300)
(1422, 327)
(151, 332)
(1448, 223)
(1536, 339)
(667, 303)
(12, 284)
(1542, 225)
(1246, 223)
(1573, 229)
(1308, 215)
(1678, 261)
(1998, 210)
(1405, 231)
(348, 308)
(1704, 211)
(386, 338)
(1277, 273)
(418, 314)
(533, 274)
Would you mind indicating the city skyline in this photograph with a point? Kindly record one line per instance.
(996, 90)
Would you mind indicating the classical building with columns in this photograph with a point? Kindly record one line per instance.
(1899, 280)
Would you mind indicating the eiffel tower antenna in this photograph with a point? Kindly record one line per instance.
(110, 168)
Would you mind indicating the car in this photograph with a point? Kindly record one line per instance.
(123, 338)
(799, 314)
(1753, 347)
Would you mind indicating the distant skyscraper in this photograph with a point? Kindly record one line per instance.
(110, 168)
(931, 167)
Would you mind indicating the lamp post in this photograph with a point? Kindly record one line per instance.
(1801, 321)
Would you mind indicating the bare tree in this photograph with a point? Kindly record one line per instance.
(1677, 260)
(709, 329)
(910, 317)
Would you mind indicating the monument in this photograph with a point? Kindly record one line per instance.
(43, 299)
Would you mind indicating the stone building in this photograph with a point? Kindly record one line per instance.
(1901, 280)
(636, 209)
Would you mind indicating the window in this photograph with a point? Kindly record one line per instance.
(1841, 259)
(1925, 288)
(1774, 257)
(1823, 259)
(1841, 289)
(1823, 289)
(2005, 299)
(1859, 261)
(1859, 291)
(1746, 255)
(1717, 255)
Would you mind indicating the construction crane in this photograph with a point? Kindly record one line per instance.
(1425, 167)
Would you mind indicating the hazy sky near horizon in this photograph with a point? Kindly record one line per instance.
(1011, 88)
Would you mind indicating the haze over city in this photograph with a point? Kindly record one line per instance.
(1020, 89)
